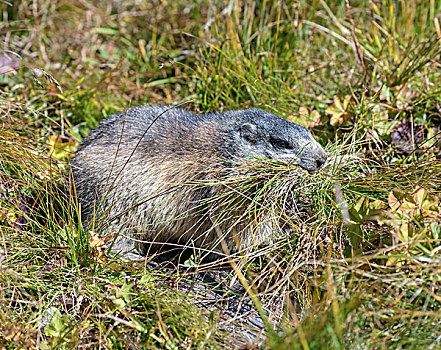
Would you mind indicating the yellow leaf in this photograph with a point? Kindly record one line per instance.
(304, 113)
(309, 119)
(336, 119)
(337, 103)
(405, 232)
(346, 102)
(419, 195)
(314, 119)
(395, 198)
(410, 208)
(61, 147)
(95, 241)
(334, 110)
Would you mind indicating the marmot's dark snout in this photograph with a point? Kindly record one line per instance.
(313, 159)
(317, 160)
(321, 159)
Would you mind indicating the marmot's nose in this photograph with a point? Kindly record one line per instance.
(321, 159)
(313, 160)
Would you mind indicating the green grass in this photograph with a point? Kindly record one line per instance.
(362, 272)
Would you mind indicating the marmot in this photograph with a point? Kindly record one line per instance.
(150, 173)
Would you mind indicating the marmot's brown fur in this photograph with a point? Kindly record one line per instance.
(149, 173)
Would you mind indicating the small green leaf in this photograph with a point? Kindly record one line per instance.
(108, 31)
(419, 196)
(346, 102)
(395, 198)
(338, 110)
(120, 303)
(405, 232)
(337, 103)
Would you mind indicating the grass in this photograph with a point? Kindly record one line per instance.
(362, 272)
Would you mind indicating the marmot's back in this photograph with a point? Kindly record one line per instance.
(148, 172)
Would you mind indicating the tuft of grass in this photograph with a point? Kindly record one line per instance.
(58, 288)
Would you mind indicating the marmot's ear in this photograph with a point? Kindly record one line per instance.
(249, 132)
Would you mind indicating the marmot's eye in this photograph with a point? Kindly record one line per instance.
(279, 143)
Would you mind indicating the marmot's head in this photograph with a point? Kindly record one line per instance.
(256, 133)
